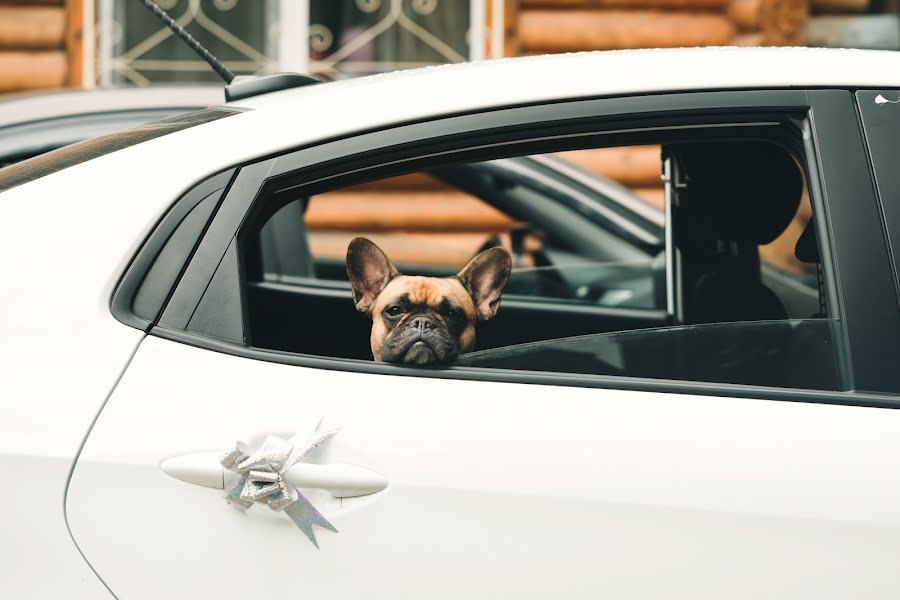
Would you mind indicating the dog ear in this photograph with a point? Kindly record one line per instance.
(369, 270)
(484, 278)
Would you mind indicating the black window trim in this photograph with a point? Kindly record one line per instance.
(137, 269)
(878, 169)
(843, 192)
(363, 148)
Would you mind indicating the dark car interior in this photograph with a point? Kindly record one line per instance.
(736, 328)
(732, 320)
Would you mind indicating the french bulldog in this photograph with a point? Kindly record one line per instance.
(424, 320)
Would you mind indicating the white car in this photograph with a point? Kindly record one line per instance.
(726, 436)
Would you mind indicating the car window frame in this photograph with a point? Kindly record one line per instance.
(880, 146)
(829, 143)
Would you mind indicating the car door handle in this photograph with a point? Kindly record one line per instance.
(342, 480)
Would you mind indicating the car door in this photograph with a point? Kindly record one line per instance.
(477, 483)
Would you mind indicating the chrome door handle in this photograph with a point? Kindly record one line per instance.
(341, 480)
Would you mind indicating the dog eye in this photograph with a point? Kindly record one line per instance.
(394, 311)
(455, 313)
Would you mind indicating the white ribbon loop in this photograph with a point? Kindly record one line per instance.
(261, 478)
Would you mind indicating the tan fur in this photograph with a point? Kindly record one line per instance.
(423, 291)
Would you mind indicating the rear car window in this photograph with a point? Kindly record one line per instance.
(60, 159)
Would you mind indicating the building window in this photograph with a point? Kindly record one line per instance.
(332, 39)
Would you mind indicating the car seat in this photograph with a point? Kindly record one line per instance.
(738, 196)
(284, 243)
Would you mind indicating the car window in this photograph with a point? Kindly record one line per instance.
(791, 353)
(733, 297)
(433, 223)
(57, 160)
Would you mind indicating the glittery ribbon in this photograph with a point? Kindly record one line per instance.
(262, 478)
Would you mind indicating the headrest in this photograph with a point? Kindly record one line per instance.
(807, 250)
(727, 297)
(745, 192)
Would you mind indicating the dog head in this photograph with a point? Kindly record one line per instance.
(424, 320)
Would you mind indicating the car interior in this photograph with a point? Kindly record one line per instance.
(735, 327)
(703, 306)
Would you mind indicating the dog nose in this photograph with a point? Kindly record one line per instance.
(422, 323)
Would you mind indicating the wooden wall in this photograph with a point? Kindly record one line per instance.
(418, 219)
(454, 225)
(573, 25)
(40, 44)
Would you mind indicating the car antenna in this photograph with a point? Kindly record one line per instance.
(236, 87)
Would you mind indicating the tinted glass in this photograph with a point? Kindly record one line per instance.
(791, 354)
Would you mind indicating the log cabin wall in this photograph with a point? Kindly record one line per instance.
(393, 212)
(40, 44)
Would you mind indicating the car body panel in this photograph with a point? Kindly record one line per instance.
(721, 497)
(61, 353)
(294, 118)
(508, 490)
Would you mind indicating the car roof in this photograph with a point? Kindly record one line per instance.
(37, 106)
(288, 119)
(616, 72)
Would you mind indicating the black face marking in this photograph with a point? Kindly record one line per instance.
(421, 335)
(453, 315)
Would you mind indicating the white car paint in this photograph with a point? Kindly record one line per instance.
(496, 490)
(61, 351)
(66, 238)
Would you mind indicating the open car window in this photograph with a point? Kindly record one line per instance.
(728, 300)
(573, 239)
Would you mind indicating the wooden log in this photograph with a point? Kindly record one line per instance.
(780, 252)
(746, 14)
(839, 6)
(410, 211)
(636, 166)
(654, 196)
(75, 42)
(676, 4)
(781, 22)
(32, 70)
(749, 39)
(512, 45)
(451, 250)
(28, 27)
(566, 31)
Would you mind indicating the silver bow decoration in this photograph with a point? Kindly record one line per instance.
(262, 478)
